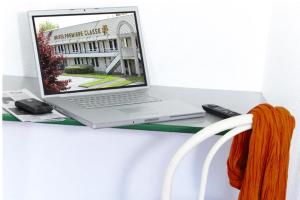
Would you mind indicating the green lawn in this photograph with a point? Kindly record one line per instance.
(97, 82)
(91, 75)
(135, 78)
(103, 78)
(118, 84)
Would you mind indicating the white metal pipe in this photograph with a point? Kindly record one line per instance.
(213, 151)
(196, 139)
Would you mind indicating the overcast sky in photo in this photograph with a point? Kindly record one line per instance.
(64, 21)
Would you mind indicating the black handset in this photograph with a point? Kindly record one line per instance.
(34, 106)
(219, 111)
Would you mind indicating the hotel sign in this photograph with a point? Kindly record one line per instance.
(95, 31)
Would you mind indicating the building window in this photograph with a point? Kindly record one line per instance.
(90, 45)
(93, 62)
(128, 42)
(94, 45)
(116, 45)
(126, 67)
(105, 61)
(125, 42)
(103, 44)
(83, 47)
(97, 63)
(77, 61)
(110, 44)
(87, 61)
(99, 46)
(80, 48)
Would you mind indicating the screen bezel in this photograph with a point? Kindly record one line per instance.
(87, 11)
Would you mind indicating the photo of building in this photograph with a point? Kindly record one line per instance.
(110, 45)
(96, 51)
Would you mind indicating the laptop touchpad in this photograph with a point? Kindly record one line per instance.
(138, 110)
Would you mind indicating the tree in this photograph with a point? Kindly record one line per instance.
(49, 63)
(46, 26)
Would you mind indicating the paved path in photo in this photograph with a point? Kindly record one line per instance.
(76, 81)
(137, 83)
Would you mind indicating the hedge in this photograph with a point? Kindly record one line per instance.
(79, 69)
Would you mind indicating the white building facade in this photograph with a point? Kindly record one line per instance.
(110, 45)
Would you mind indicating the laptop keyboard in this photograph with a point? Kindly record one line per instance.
(112, 99)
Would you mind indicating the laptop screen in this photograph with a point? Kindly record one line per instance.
(85, 52)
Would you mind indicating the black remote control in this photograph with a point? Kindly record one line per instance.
(219, 111)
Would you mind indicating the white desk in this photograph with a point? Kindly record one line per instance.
(47, 162)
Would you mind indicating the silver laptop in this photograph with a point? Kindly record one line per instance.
(91, 66)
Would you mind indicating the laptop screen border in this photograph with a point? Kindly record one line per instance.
(122, 88)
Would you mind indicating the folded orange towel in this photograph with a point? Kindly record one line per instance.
(258, 159)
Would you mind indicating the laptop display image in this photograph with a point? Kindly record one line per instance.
(85, 52)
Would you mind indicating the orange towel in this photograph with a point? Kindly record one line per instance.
(258, 159)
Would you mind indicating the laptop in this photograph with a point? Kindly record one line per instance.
(91, 66)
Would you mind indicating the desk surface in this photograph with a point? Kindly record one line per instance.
(239, 101)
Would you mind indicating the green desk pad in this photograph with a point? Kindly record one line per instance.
(146, 127)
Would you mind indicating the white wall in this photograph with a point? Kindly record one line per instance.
(187, 41)
(206, 44)
(79, 163)
(282, 76)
